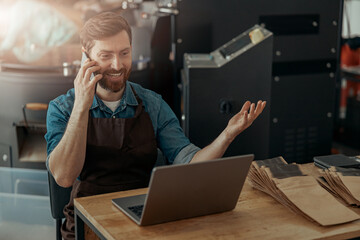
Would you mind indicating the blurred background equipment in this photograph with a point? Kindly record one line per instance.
(304, 69)
(39, 53)
(19, 86)
(216, 85)
(39, 59)
(347, 128)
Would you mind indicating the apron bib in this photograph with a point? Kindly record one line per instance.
(120, 155)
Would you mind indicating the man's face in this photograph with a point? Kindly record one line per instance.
(113, 54)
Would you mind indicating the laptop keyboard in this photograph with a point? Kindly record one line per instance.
(137, 210)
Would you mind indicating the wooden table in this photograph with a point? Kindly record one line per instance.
(256, 216)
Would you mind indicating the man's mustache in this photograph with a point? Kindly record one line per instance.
(113, 71)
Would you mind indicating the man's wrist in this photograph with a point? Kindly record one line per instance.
(227, 136)
(79, 115)
(80, 108)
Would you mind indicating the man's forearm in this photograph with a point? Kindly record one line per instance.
(67, 159)
(215, 150)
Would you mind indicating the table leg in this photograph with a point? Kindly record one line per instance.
(80, 220)
(79, 226)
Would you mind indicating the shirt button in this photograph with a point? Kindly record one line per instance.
(114, 117)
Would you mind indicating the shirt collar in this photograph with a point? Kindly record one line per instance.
(129, 95)
(127, 99)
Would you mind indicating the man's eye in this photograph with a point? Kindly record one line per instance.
(104, 56)
(125, 53)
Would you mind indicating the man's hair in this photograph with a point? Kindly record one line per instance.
(103, 25)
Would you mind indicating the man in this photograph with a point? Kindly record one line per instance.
(109, 140)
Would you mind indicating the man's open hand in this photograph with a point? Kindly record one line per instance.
(243, 119)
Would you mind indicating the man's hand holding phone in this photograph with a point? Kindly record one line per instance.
(85, 84)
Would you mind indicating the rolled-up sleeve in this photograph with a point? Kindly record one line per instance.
(56, 122)
(171, 139)
(186, 154)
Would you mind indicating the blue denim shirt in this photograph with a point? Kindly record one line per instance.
(170, 138)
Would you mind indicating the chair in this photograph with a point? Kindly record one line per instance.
(59, 197)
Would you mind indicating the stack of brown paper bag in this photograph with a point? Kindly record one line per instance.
(343, 183)
(299, 192)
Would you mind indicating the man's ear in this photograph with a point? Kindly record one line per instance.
(84, 51)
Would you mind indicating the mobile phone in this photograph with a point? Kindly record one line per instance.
(83, 58)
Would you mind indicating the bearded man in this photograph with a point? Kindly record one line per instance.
(103, 135)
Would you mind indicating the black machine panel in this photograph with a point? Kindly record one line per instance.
(291, 24)
(301, 128)
(204, 25)
(304, 67)
(313, 102)
(296, 41)
(305, 63)
(217, 93)
(194, 33)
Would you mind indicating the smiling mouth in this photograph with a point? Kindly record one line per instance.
(114, 74)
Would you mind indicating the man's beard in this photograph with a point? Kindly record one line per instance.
(114, 86)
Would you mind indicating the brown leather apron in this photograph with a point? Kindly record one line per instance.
(120, 155)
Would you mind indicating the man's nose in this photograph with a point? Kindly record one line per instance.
(116, 63)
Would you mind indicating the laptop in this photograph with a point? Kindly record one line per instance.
(189, 190)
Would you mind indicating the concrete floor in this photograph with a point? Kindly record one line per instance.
(21, 231)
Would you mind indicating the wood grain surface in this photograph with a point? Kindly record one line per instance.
(256, 216)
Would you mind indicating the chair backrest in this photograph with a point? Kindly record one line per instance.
(59, 197)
